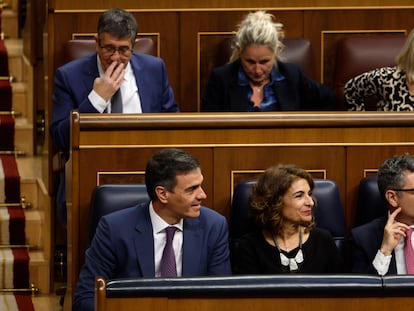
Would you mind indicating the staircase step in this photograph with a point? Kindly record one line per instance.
(23, 140)
(19, 97)
(33, 228)
(9, 23)
(38, 228)
(39, 271)
(22, 85)
(15, 53)
(34, 192)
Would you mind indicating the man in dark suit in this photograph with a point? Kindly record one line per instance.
(130, 242)
(89, 84)
(381, 246)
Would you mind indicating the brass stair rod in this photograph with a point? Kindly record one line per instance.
(32, 247)
(23, 204)
(6, 78)
(11, 112)
(33, 289)
(15, 152)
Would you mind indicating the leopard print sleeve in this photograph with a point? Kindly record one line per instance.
(367, 84)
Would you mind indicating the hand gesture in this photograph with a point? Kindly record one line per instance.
(393, 231)
(110, 82)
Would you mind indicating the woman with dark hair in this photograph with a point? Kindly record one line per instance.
(287, 240)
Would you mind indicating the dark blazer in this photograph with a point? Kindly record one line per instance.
(365, 242)
(295, 92)
(123, 247)
(74, 81)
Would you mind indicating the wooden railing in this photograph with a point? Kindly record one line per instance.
(261, 293)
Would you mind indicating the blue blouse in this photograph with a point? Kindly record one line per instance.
(269, 102)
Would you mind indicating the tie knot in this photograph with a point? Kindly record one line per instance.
(170, 231)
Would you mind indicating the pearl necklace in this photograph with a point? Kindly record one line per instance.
(291, 262)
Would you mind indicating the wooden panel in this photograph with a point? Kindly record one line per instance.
(225, 4)
(258, 303)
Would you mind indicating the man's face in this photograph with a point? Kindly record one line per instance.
(185, 200)
(112, 49)
(405, 199)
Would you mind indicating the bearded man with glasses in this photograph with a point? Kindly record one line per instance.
(114, 79)
(384, 245)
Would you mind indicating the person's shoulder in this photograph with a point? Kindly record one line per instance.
(226, 68)
(142, 57)
(380, 72)
(372, 226)
(209, 212)
(321, 233)
(285, 67)
(209, 215)
(287, 64)
(127, 213)
(252, 236)
(389, 71)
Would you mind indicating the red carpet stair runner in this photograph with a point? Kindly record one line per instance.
(14, 256)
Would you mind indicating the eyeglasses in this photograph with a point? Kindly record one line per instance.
(122, 50)
(411, 190)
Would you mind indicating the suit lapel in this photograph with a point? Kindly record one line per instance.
(144, 243)
(91, 71)
(137, 67)
(238, 94)
(192, 239)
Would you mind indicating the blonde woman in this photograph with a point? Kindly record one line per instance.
(256, 79)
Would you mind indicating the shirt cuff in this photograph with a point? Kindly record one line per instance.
(381, 263)
(98, 102)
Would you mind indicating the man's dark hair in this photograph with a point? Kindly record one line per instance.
(119, 23)
(390, 173)
(163, 167)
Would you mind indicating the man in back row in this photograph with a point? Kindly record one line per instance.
(114, 79)
(133, 242)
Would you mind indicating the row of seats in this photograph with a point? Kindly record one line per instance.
(355, 54)
(328, 211)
